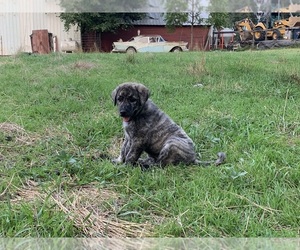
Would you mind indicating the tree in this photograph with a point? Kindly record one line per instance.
(183, 11)
(100, 22)
(100, 15)
(218, 16)
(176, 13)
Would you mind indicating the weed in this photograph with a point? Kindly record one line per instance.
(197, 67)
(130, 58)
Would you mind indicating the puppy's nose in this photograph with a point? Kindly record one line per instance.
(122, 113)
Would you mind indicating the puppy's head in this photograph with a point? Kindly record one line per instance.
(130, 99)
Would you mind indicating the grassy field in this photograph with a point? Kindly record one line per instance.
(59, 130)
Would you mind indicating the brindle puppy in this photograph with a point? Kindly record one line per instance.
(148, 129)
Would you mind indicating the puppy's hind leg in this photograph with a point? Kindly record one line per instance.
(176, 151)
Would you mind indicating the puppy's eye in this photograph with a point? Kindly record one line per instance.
(120, 99)
(132, 99)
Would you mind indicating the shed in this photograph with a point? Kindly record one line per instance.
(19, 18)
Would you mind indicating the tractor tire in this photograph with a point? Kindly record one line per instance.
(259, 34)
(276, 35)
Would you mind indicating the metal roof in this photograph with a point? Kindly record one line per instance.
(152, 19)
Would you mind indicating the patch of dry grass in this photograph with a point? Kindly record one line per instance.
(14, 132)
(83, 205)
(83, 65)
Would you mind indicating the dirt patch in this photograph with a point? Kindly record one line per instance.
(15, 133)
(84, 205)
(29, 193)
(83, 65)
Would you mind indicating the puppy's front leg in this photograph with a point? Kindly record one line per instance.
(134, 153)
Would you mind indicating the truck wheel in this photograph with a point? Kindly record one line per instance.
(259, 34)
(276, 35)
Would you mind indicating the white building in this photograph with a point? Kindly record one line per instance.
(18, 18)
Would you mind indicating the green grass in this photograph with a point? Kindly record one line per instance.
(58, 129)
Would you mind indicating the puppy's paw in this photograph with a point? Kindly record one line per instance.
(146, 163)
(117, 160)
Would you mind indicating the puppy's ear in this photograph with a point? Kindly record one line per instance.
(114, 95)
(144, 93)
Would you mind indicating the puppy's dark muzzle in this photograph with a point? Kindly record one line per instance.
(125, 112)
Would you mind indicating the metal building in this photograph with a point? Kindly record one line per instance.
(19, 18)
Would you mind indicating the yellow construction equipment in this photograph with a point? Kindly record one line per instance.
(261, 31)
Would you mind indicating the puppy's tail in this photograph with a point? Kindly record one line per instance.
(220, 160)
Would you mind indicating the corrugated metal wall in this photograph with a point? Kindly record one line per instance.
(16, 28)
(30, 6)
